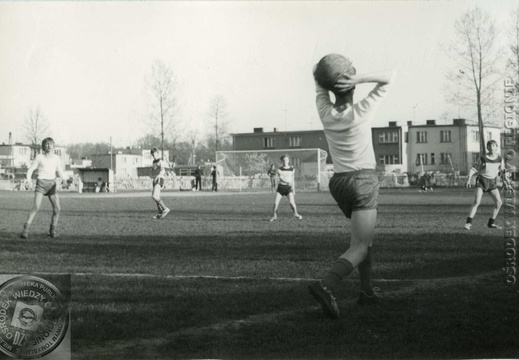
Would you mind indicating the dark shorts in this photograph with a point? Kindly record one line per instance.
(355, 190)
(159, 181)
(284, 190)
(486, 184)
(46, 187)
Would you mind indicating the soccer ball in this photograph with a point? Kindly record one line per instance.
(330, 68)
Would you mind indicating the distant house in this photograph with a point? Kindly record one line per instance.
(453, 147)
(125, 162)
(15, 156)
(281, 140)
(390, 146)
(18, 156)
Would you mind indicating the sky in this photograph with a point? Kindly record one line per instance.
(84, 64)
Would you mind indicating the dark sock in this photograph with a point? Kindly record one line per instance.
(469, 220)
(490, 222)
(365, 273)
(339, 271)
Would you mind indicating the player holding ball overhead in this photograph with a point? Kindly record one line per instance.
(354, 185)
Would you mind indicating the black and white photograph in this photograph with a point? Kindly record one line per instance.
(259, 179)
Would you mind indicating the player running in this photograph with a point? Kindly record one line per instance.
(488, 167)
(47, 164)
(286, 187)
(158, 170)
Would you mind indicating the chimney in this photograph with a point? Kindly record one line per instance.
(258, 130)
(458, 122)
(392, 124)
(275, 129)
(431, 122)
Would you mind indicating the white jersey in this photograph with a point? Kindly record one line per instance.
(349, 132)
(286, 175)
(47, 166)
(489, 168)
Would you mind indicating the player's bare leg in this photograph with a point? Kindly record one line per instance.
(474, 207)
(35, 208)
(292, 202)
(276, 205)
(54, 200)
(494, 194)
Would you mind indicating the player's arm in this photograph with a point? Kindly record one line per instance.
(348, 82)
(34, 166)
(473, 170)
(61, 174)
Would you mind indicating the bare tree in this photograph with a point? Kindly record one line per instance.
(35, 126)
(512, 65)
(164, 100)
(475, 52)
(219, 120)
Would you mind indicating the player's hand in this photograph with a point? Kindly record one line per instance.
(467, 185)
(346, 82)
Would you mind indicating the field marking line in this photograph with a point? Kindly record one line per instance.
(215, 277)
(148, 346)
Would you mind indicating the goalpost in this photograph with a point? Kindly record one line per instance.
(251, 166)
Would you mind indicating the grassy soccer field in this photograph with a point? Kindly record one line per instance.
(216, 279)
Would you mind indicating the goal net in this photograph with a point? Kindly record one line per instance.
(251, 166)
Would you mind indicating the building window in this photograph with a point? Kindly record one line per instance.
(432, 158)
(269, 142)
(57, 152)
(388, 159)
(445, 158)
(387, 138)
(475, 157)
(183, 172)
(421, 137)
(475, 135)
(421, 159)
(294, 141)
(445, 136)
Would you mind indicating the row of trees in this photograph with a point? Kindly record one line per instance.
(472, 82)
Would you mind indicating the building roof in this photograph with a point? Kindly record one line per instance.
(259, 133)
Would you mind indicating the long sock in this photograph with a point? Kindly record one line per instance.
(339, 271)
(491, 222)
(469, 220)
(365, 273)
(164, 207)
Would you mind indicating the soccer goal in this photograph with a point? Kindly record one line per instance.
(251, 166)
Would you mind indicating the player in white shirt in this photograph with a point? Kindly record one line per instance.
(354, 185)
(488, 167)
(47, 164)
(158, 170)
(285, 188)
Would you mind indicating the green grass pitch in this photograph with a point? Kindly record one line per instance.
(216, 279)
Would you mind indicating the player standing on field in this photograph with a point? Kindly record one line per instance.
(354, 185)
(285, 187)
(488, 168)
(272, 175)
(47, 164)
(158, 170)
